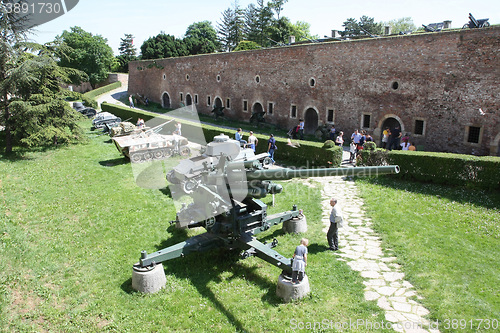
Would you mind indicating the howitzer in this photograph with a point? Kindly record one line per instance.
(225, 185)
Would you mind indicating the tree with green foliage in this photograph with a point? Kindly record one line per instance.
(128, 53)
(201, 38)
(32, 103)
(247, 45)
(301, 31)
(231, 29)
(365, 27)
(400, 25)
(127, 47)
(89, 53)
(258, 19)
(277, 6)
(163, 46)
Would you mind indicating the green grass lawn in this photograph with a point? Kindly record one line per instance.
(73, 223)
(448, 243)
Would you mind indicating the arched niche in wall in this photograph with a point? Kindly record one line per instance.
(311, 120)
(189, 99)
(218, 102)
(165, 100)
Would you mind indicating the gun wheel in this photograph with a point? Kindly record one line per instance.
(189, 185)
(135, 158)
(158, 154)
(167, 152)
(184, 151)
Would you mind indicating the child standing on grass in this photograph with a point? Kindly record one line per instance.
(299, 261)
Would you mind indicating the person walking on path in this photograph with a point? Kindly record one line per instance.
(299, 261)
(131, 101)
(336, 221)
(271, 147)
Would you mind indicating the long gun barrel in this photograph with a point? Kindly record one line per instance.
(286, 173)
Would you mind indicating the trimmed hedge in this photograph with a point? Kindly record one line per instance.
(99, 91)
(442, 168)
(309, 154)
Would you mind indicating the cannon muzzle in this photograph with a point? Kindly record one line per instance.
(287, 173)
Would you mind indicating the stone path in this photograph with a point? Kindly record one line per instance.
(360, 247)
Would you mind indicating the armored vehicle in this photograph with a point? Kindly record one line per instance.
(124, 128)
(84, 110)
(103, 118)
(149, 145)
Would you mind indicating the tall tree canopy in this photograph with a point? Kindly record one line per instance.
(401, 25)
(201, 38)
(230, 29)
(89, 53)
(32, 105)
(127, 53)
(365, 27)
(163, 46)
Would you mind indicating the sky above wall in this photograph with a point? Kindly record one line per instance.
(112, 19)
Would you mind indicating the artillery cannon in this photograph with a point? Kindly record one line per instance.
(258, 117)
(474, 23)
(218, 112)
(225, 185)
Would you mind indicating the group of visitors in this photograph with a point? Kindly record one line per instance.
(358, 140)
(252, 142)
(394, 139)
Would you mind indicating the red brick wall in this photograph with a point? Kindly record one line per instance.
(443, 79)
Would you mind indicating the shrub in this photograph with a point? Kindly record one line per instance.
(328, 144)
(99, 91)
(439, 168)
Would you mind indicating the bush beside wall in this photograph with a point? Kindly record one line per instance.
(440, 168)
(309, 154)
(99, 91)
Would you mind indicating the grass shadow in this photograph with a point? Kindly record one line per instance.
(114, 162)
(206, 268)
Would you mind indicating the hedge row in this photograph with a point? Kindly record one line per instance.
(309, 154)
(442, 168)
(99, 91)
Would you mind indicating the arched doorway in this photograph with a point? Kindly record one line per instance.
(257, 108)
(391, 123)
(189, 99)
(310, 121)
(217, 102)
(165, 101)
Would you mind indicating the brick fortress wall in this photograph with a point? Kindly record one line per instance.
(432, 84)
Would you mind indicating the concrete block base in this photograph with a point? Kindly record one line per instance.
(289, 292)
(148, 280)
(296, 225)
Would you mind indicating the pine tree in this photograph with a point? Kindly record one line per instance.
(230, 30)
(127, 48)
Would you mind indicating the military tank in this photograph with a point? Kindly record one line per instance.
(149, 145)
(124, 128)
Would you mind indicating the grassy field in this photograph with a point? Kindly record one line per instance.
(448, 243)
(73, 223)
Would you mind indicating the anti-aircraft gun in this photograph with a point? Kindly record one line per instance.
(226, 184)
